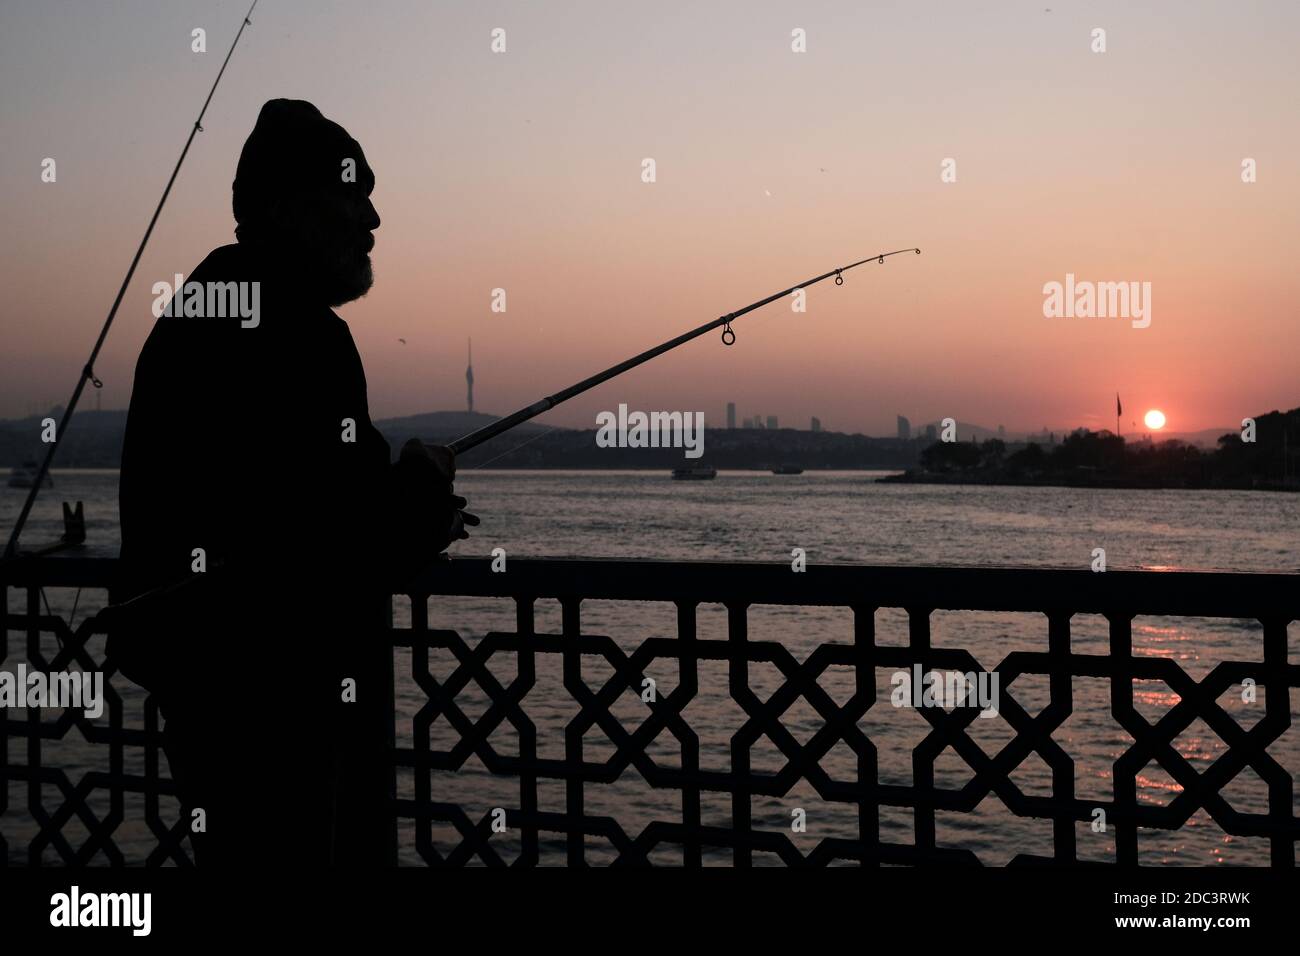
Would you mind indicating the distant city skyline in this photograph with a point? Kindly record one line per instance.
(904, 429)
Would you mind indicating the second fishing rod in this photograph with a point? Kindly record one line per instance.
(488, 432)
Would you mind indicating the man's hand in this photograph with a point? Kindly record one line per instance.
(445, 461)
(431, 514)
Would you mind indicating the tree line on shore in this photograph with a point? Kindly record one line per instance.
(1266, 457)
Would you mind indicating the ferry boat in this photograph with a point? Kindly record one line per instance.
(787, 470)
(694, 473)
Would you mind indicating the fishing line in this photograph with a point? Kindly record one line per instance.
(549, 429)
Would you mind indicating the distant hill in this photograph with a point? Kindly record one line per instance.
(444, 426)
(94, 439)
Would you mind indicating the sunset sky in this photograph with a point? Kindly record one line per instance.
(522, 170)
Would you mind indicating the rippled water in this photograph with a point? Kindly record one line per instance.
(835, 517)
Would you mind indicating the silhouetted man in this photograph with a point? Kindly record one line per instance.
(251, 469)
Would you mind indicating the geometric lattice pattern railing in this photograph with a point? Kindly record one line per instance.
(1058, 595)
(87, 781)
(82, 809)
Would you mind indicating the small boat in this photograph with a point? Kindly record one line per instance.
(25, 476)
(695, 473)
(787, 470)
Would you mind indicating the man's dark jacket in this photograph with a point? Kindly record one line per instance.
(235, 444)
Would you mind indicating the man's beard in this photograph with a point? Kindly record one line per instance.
(348, 280)
(332, 276)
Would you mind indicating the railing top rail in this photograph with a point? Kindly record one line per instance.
(1192, 593)
(1264, 596)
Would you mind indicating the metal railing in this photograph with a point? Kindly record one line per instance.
(135, 762)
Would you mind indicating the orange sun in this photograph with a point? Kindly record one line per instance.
(1154, 419)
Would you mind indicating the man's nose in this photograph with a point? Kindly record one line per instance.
(371, 216)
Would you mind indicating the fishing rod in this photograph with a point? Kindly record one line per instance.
(476, 438)
(111, 615)
(88, 370)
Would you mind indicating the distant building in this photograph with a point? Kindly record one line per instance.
(904, 428)
(771, 421)
(731, 414)
(1002, 432)
(816, 424)
(931, 433)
